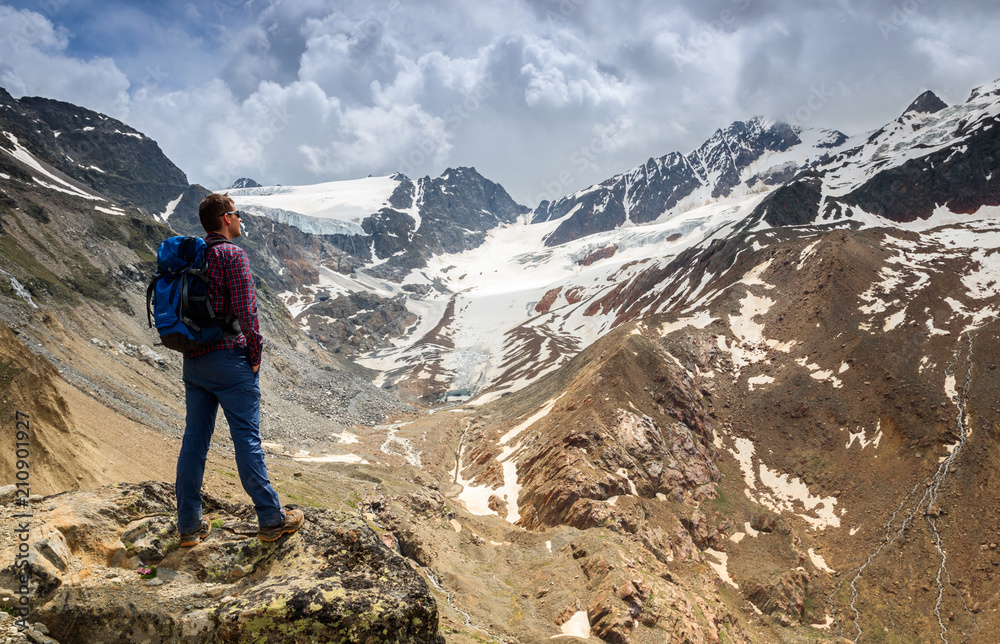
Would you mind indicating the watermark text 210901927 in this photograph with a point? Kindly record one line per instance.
(22, 519)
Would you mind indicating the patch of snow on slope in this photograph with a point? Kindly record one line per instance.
(806, 253)
(25, 157)
(475, 497)
(541, 413)
(699, 321)
(171, 207)
(819, 562)
(861, 438)
(784, 493)
(720, 566)
(743, 453)
(576, 626)
(743, 325)
(894, 320)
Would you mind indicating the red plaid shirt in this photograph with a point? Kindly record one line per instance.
(230, 287)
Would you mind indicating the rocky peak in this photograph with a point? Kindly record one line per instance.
(455, 212)
(244, 182)
(926, 103)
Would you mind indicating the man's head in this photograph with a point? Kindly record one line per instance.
(218, 214)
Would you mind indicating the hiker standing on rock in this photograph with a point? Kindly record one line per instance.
(227, 373)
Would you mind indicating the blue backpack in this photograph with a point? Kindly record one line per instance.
(177, 300)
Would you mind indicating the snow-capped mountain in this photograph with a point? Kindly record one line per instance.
(394, 223)
(747, 157)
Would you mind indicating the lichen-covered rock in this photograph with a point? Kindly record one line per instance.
(333, 580)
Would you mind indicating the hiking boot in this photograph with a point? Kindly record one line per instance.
(293, 521)
(193, 539)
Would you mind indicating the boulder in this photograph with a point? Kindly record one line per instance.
(333, 580)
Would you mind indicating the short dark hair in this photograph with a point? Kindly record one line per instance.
(212, 208)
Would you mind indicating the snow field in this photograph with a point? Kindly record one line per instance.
(350, 200)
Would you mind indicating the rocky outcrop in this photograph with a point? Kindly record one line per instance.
(547, 300)
(333, 580)
(624, 598)
(591, 463)
(358, 322)
(794, 204)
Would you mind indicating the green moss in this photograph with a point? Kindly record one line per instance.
(93, 283)
(301, 500)
(722, 503)
(144, 237)
(108, 227)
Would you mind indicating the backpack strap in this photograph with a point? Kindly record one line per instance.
(149, 299)
(231, 323)
(215, 241)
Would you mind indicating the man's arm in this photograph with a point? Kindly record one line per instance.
(244, 305)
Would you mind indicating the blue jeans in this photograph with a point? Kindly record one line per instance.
(223, 377)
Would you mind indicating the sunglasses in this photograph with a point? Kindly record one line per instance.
(238, 213)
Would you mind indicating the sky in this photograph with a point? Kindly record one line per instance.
(544, 97)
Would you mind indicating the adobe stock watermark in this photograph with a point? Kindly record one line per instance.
(564, 9)
(37, 25)
(150, 81)
(426, 148)
(583, 158)
(224, 8)
(900, 15)
(819, 95)
(276, 120)
(374, 24)
(22, 452)
(710, 34)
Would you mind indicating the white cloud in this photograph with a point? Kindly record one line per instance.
(33, 62)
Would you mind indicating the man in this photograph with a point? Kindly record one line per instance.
(227, 373)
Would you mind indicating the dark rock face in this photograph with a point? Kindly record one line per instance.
(244, 182)
(99, 151)
(926, 103)
(794, 204)
(646, 192)
(962, 179)
(456, 211)
(359, 321)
